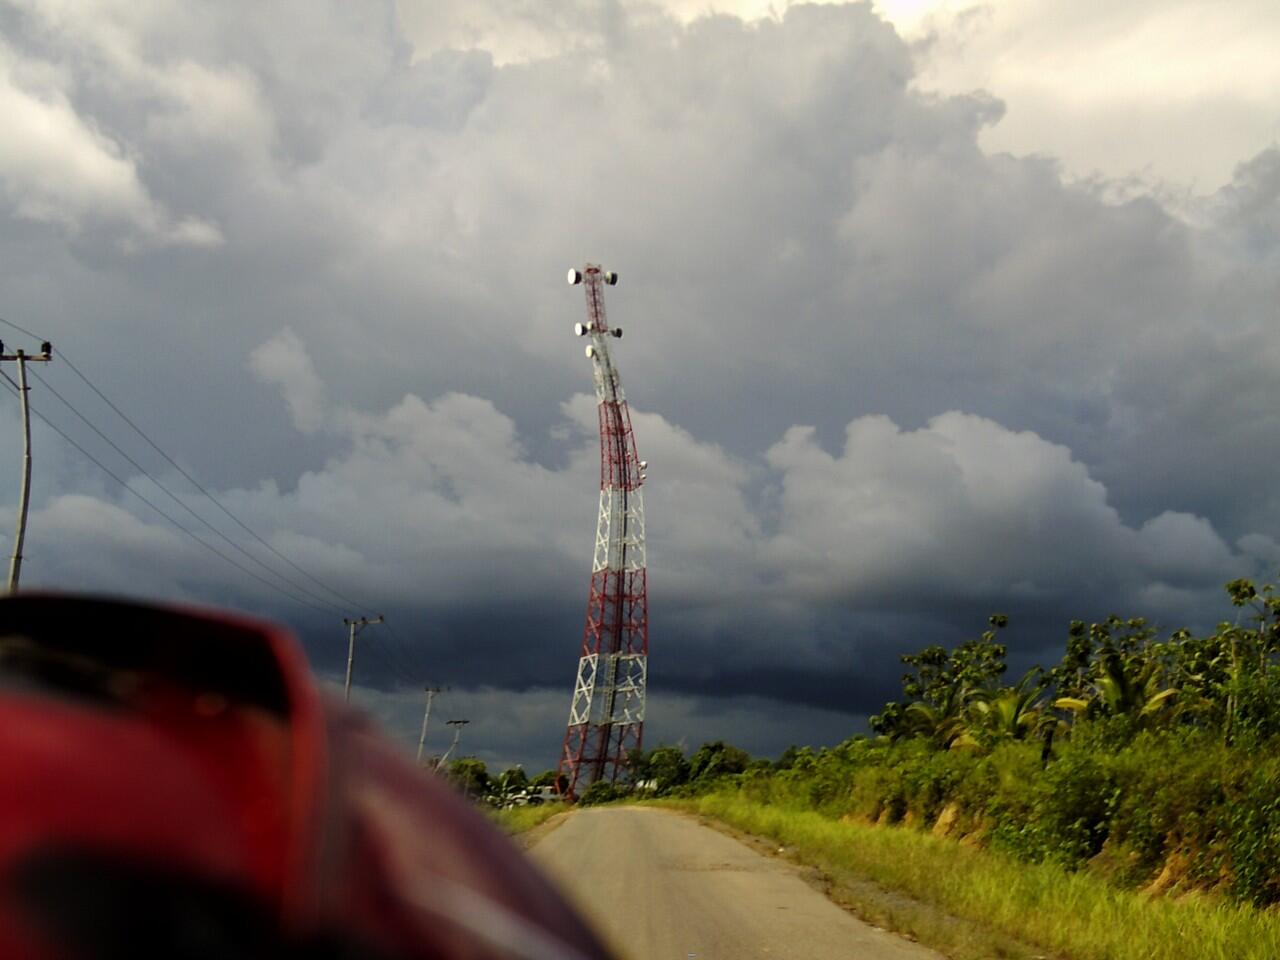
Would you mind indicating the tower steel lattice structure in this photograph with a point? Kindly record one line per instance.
(606, 718)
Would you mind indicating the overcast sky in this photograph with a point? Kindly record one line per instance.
(933, 310)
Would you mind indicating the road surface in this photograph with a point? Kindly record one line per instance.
(659, 886)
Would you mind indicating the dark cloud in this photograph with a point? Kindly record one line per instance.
(888, 383)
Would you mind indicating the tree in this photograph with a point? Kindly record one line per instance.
(787, 759)
(1072, 677)
(666, 767)
(603, 791)
(975, 664)
(940, 686)
(942, 722)
(1010, 713)
(508, 784)
(547, 778)
(470, 776)
(1128, 687)
(717, 759)
(1230, 680)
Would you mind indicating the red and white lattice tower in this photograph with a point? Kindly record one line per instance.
(606, 719)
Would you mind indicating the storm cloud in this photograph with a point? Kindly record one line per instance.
(888, 379)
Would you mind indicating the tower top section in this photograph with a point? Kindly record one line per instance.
(594, 278)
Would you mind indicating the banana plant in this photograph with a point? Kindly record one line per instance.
(944, 722)
(1125, 687)
(1010, 713)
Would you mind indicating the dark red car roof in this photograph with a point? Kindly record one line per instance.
(174, 778)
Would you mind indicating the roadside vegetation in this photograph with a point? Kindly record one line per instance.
(1124, 802)
(1001, 903)
(511, 799)
(518, 819)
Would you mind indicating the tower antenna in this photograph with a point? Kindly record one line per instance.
(606, 717)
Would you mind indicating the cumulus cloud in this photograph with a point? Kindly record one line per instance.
(966, 506)
(283, 361)
(435, 507)
(57, 167)
(377, 211)
(1122, 90)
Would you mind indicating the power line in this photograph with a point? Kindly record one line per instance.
(400, 648)
(214, 500)
(194, 536)
(392, 657)
(195, 483)
(183, 504)
(399, 656)
(22, 330)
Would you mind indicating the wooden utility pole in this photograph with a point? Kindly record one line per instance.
(356, 626)
(457, 733)
(426, 718)
(24, 501)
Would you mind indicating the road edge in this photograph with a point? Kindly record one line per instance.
(914, 920)
(527, 838)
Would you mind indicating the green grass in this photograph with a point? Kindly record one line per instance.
(520, 819)
(1071, 914)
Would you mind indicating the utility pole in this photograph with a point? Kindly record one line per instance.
(20, 357)
(356, 626)
(426, 718)
(457, 734)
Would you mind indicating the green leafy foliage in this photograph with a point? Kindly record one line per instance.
(717, 759)
(661, 770)
(470, 776)
(547, 778)
(1150, 759)
(602, 791)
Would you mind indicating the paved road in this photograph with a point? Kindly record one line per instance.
(659, 886)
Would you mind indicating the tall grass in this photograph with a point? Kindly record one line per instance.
(520, 819)
(1074, 914)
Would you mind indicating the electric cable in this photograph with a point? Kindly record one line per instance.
(399, 653)
(212, 499)
(13, 387)
(178, 500)
(192, 480)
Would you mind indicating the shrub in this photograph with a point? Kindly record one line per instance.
(602, 791)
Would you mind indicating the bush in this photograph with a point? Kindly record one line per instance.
(602, 791)
(1253, 837)
(1171, 757)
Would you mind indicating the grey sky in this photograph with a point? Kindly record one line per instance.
(892, 371)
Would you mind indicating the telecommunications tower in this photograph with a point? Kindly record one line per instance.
(606, 719)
